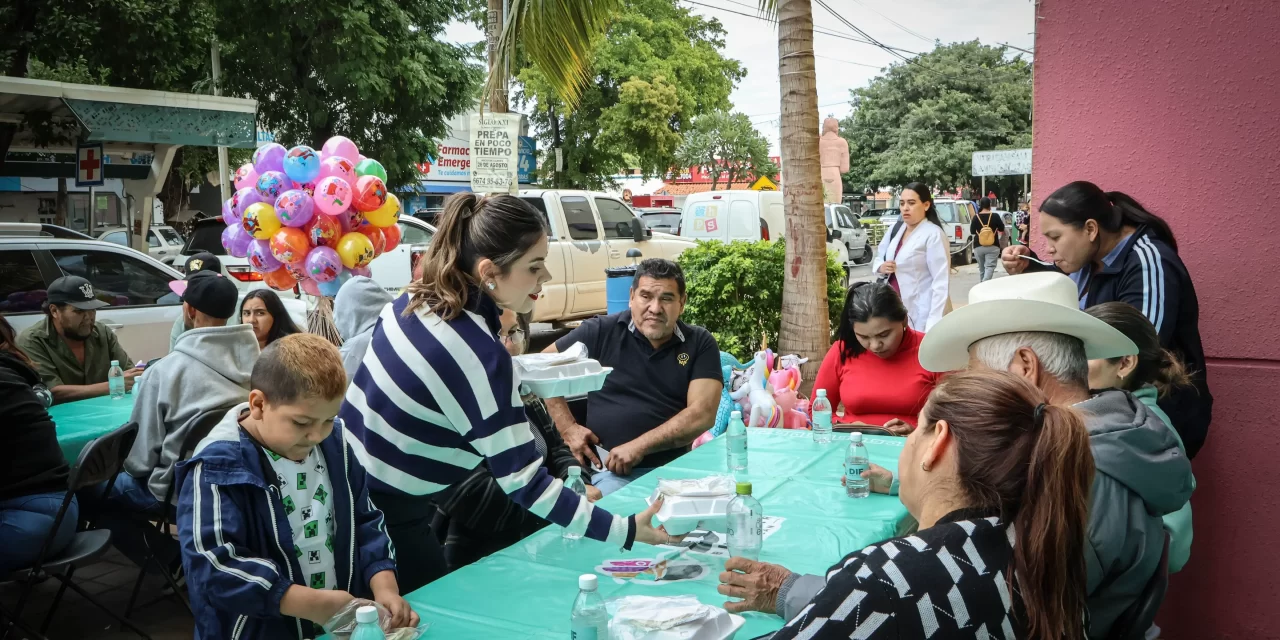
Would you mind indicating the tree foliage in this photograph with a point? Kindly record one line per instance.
(657, 68)
(735, 291)
(730, 143)
(923, 120)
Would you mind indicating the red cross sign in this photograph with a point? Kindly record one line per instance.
(89, 165)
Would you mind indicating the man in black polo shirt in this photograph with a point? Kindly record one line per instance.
(664, 389)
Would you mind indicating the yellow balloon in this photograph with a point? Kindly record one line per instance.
(261, 221)
(387, 214)
(355, 249)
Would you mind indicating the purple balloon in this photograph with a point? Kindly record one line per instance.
(271, 184)
(323, 264)
(236, 240)
(269, 157)
(295, 208)
(229, 214)
(241, 200)
(260, 257)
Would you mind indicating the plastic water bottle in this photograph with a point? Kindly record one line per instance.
(855, 462)
(574, 483)
(745, 520)
(367, 625)
(736, 435)
(115, 380)
(822, 418)
(589, 619)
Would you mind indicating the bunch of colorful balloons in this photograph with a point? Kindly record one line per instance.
(309, 218)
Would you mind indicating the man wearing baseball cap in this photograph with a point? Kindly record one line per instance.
(206, 373)
(203, 261)
(71, 349)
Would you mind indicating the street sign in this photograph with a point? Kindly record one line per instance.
(1006, 162)
(528, 158)
(763, 184)
(89, 161)
(495, 152)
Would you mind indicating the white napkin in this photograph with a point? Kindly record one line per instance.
(637, 616)
(540, 361)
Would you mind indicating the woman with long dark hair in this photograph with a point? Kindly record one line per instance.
(1117, 251)
(873, 368)
(915, 259)
(999, 481)
(33, 471)
(1154, 373)
(437, 394)
(263, 310)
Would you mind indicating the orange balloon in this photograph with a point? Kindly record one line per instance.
(355, 249)
(376, 236)
(280, 279)
(369, 194)
(391, 235)
(290, 245)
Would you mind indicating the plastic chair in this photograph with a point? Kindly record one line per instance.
(198, 431)
(99, 461)
(1134, 622)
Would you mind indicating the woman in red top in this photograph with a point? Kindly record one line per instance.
(872, 368)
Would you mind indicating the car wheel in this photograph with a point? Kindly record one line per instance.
(866, 255)
(962, 258)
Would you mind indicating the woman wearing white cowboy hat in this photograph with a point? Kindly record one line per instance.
(1031, 325)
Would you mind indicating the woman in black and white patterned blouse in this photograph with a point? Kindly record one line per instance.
(999, 482)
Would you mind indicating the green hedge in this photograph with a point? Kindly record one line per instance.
(735, 291)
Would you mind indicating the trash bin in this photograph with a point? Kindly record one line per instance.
(617, 288)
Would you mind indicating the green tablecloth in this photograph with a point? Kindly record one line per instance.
(527, 590)
(81, 421)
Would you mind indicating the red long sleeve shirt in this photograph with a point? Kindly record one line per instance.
(875, 390)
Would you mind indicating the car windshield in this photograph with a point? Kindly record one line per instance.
(206, 237)
(662, 219)
(171, 236)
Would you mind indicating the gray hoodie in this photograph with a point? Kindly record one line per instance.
(208, 370)
(355, 313)
(1142, 475)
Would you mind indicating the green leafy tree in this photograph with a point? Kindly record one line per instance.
(729, 142)
(923, 120)
(735, 291)
(658, 67)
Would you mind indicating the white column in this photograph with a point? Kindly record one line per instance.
(144, 192)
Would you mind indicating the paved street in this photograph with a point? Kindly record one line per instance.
(962, 280)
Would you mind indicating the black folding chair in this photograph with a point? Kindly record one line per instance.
(1134, 621)
(99, 461)
(199, 430)
(861, 428)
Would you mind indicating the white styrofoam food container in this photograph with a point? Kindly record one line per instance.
(682, 514)
(566, 380)
(723, 627)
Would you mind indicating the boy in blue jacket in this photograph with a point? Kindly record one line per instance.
(274, 517)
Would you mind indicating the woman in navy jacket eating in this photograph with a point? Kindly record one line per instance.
(437, 393)
(1117, 251)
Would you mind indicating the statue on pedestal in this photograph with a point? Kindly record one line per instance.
(833, 151)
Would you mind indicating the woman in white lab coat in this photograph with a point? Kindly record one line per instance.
(914, 258)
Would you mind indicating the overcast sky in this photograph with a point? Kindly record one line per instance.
(919, 22)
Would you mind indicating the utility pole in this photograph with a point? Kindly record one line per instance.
(224, 178)
(497, 14)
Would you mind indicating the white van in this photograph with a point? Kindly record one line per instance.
(741, 214)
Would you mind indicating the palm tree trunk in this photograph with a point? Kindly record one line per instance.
(497, 101)
(805, 327)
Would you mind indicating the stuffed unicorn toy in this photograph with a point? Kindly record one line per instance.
(764, 411)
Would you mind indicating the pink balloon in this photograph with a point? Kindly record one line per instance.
(246, 176)
(309, 287)
(341, 147)
(337, 167)
(323, 264)
(332, 196)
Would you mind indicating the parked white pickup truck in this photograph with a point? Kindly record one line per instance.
(590, 232)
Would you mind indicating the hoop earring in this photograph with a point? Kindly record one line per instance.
(924, 467)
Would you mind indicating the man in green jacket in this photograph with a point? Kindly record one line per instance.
(71, 349)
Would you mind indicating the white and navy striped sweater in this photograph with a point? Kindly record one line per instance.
(432, 399)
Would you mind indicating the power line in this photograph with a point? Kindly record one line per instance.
(860, 64)
(858, 31)
(895, 23)
(816, 29)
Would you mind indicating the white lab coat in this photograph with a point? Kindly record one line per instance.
(924, 271)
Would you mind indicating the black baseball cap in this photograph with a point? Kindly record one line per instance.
(211, 294)
(75, 291)
(203, 261)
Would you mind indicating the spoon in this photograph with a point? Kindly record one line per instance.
(1036, 260)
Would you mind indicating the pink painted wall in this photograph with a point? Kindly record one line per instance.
(1177, 102)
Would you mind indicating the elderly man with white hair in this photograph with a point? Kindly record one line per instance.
(1031, 325)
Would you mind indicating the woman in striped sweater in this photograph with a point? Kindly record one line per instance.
(437, 394)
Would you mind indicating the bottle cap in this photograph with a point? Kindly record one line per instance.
(115, 363)
(367, 614)
(744, 488)
(822, 393)
(587, 582)
(574, 471)
(735, 415)
(856, 436)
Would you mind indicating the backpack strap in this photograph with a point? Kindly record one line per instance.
(892, 232)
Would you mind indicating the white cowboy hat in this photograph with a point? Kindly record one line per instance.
(1029, 302)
